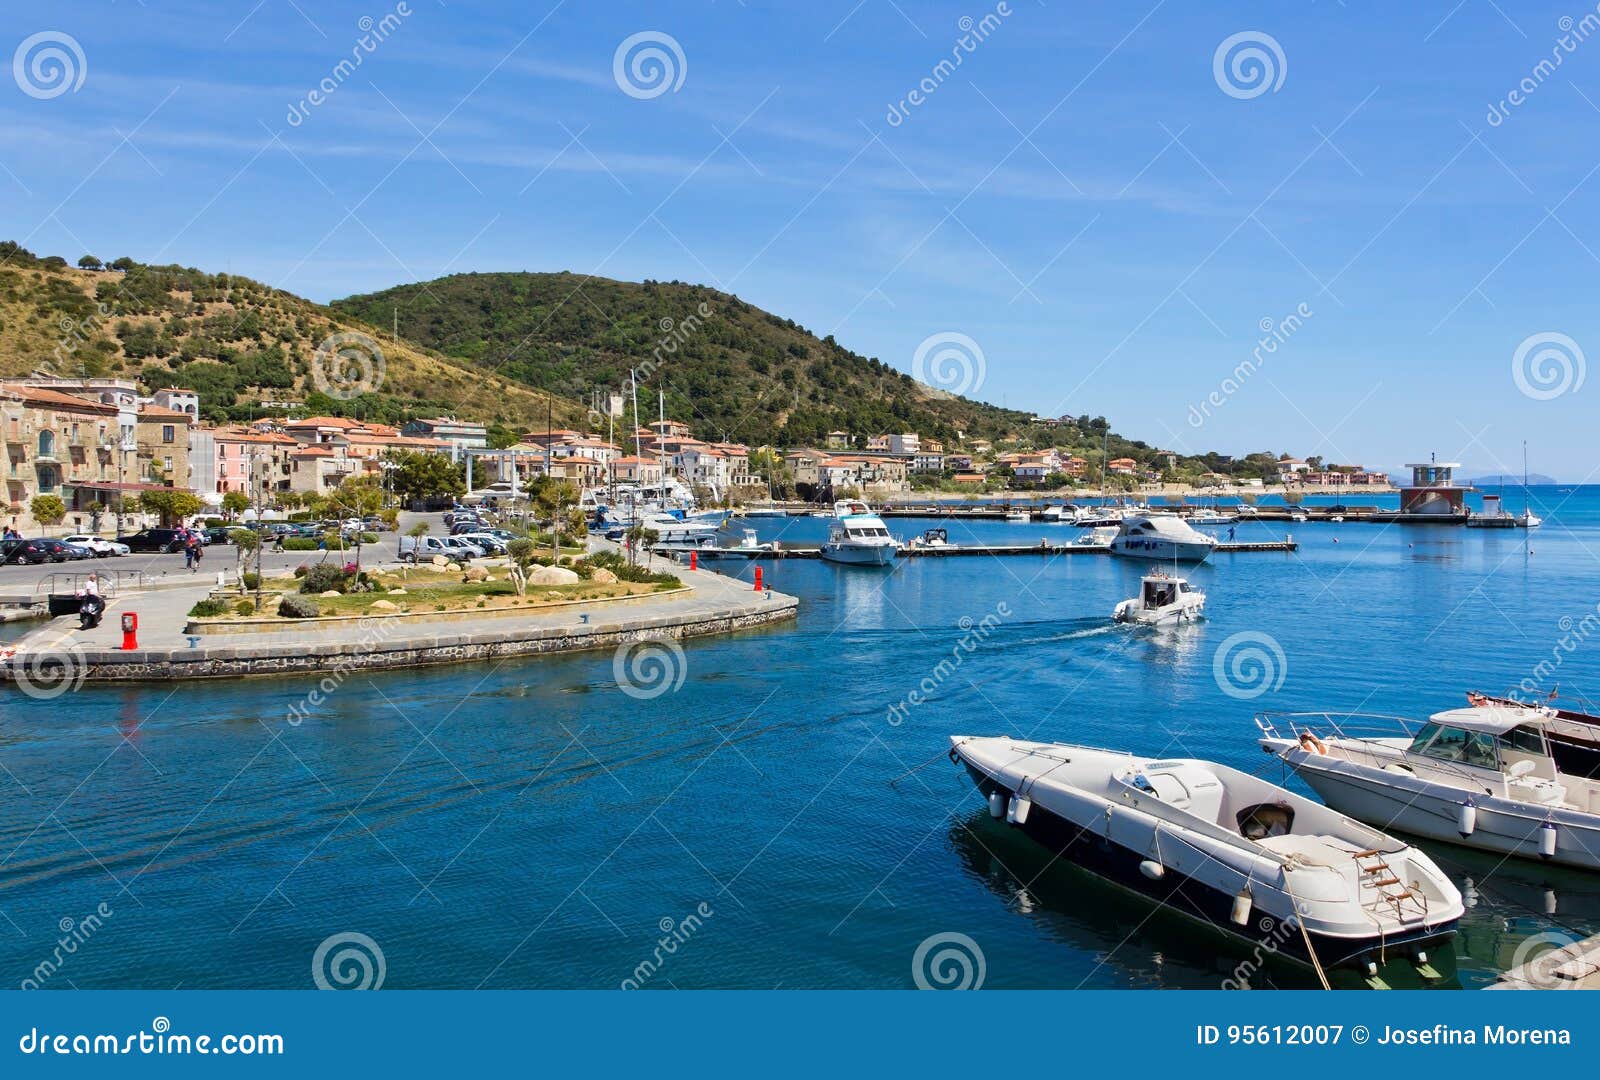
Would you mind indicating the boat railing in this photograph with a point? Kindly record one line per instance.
(1353, 733)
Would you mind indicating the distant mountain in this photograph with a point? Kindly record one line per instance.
(728, 368)
(1509, 480)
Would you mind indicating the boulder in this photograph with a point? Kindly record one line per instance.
(552, 575)
(331, 592)
(384, 605)
(602, 576)
(397, 592)
(439, 560)
(475, 573)
(452, 567)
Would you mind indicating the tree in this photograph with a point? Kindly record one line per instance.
(356, 496)
(522, 553)
(426, 476)
(245, 543)
(171, 504)
(48, 510)
(235, 503)
(89, 262)
(124, 264)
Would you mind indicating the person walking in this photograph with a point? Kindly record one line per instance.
(187, 540)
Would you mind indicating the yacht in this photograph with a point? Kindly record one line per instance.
(1257, 862)
(1054, 514)
(859, 537)
(1482, 776)
(1099, 537)
(1097, 517)
(1208, 516)
(1021, 516)
(1574, 736)
(1166, 537)
(1162, 601)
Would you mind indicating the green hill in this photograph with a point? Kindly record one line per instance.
(236, 341)
(734, 371)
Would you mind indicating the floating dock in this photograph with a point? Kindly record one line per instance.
(953, 550)
(1571, 966)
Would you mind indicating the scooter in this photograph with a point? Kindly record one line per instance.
(90, 612)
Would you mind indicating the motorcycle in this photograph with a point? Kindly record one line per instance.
(90, 612)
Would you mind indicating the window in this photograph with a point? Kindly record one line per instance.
(168, 433)
(47, 443)
(1458, 744)
(1526, 739)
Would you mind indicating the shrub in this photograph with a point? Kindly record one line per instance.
(300, 543)
(251, 579)
(215, 522)
(300, 571)
(324, 576)
(244, 607)
(300, 515)
(369, 538)
(207, 609)
(294, 606)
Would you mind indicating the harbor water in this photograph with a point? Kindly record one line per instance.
(771, 809)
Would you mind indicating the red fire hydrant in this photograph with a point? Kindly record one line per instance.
(130, 630)
(758, 579)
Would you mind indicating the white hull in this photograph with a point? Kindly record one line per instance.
(1171, 615)
(1147, 547)
(858, 554)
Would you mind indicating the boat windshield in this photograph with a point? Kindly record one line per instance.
(1457, 744)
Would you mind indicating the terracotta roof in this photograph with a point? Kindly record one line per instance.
(324, 421)
(159, 412)
(312, 451)
(276, 439)
(38, 395)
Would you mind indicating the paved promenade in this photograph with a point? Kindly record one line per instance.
(58, 649)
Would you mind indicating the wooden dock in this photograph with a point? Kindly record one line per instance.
(1565, 966)
(956, 550)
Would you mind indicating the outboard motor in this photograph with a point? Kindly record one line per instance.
(90, 612)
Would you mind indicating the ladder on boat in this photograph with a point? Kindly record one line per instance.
(1379, 888)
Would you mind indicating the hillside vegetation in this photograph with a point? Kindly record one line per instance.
(234, 340)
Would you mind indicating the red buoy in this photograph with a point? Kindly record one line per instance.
(758, 579)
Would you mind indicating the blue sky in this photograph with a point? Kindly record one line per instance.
(1081, 197)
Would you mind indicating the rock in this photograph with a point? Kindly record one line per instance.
(331, 592)
(452, 567)
(552, 575)
(439, 560)
(475, 573)
(384, 605)
(602, 576)
(295, 606)
(397, 592)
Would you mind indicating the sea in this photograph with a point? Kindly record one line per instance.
(771, 809)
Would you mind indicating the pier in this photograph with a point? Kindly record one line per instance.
(956, 550)
(1566, 967)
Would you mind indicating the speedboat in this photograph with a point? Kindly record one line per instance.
(1100, 537)
(1162, 600)
(671, 529)
(1018, 516)
(1573, 736)
(1054, 514)
(1097, 517)
(1166, 537)
(1484, 777)
(1298, 516)
(931, 538)
(859, 537)
(1263, 865)
(1207, 516)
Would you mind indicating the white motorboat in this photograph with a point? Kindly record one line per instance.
(1233, 851)
(1483, 777)
(859, 537)
(671, 529)
(930, 539)
(1298, 516)
(1207, 516)
(1054, 514)
(1099, 537)
(1166, 537)
(1098, 517)
(1162, 601)
(1015, 516)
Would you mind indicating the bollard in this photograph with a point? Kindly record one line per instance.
(694, 560)
(758, 579)
(130, 630)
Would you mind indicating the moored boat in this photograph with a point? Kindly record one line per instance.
(859, 537)
(1483, 777)
(1166, 537)
(1253, 860)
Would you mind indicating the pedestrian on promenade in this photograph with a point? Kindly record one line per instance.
(188, 549)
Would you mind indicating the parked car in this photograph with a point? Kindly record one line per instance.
(465, 549)
(33, 552)
(223, 534)
(419, 548)
(159, 541)
(75, 552)
(490, 543)
(99, 546)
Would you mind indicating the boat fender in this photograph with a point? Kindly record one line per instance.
(1152, 870)
(1466, 819)
(1242, 902)
(1547, 839)
(1311, 744)
(1549, 901)
(1017, 811)
(997, 804)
